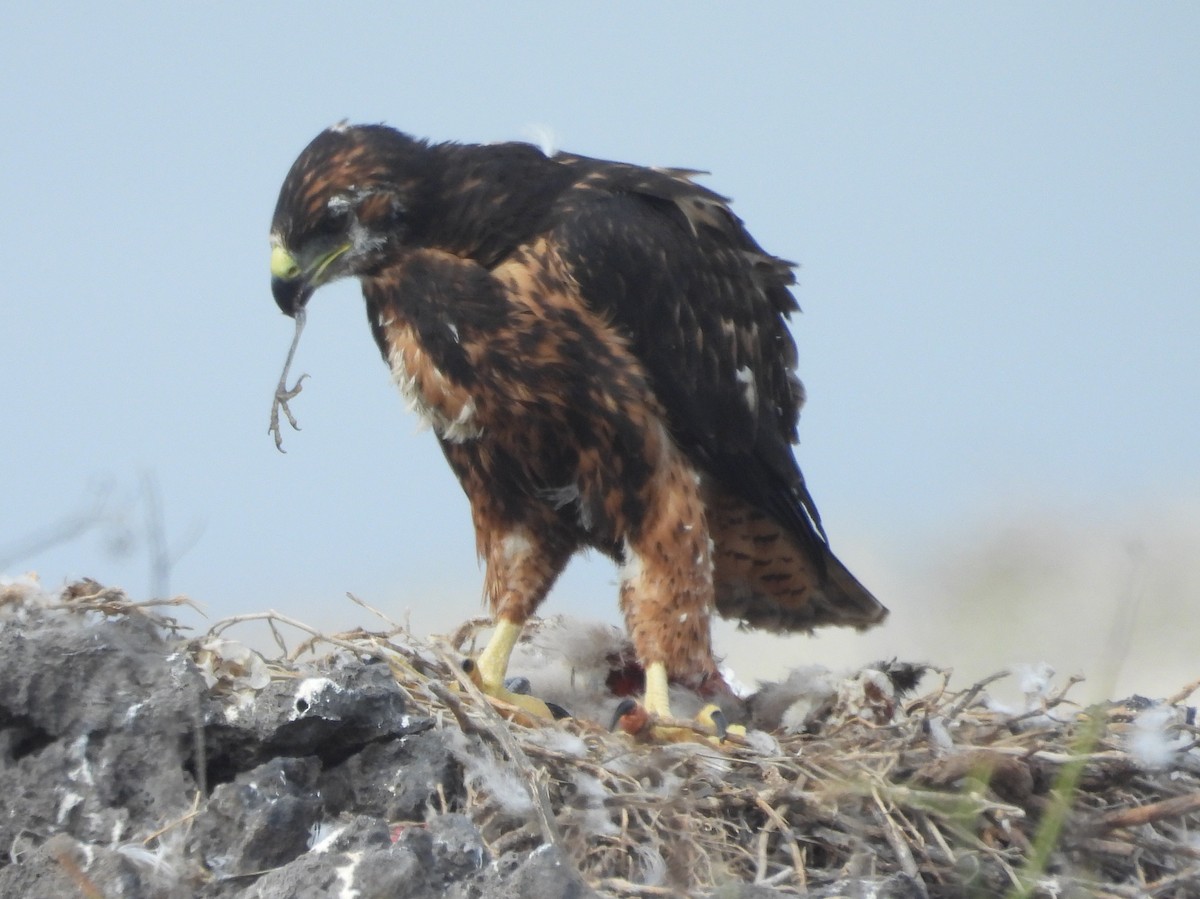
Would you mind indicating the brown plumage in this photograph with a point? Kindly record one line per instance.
(603, 354)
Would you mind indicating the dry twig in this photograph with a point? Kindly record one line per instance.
(808, 813)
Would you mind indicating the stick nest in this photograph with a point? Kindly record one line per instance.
(932, 792)
(947, 797)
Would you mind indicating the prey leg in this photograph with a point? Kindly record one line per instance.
(283, 393)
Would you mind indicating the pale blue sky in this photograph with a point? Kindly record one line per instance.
(996, 208)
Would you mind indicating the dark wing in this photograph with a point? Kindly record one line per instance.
(705, 308)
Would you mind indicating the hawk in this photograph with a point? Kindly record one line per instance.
(602, 352)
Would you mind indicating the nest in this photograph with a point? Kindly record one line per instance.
(933, 793)
(870, 788)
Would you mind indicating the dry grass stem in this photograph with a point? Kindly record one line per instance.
(964, 814)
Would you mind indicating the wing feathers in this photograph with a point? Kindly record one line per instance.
(704, 308)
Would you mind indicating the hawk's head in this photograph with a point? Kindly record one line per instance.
(347, 199)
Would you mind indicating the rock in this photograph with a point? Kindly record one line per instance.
(347, 704)
(104, 722)
(96, 725)
(63, 866)
(543, 872)
(395, 780)
(262, 820)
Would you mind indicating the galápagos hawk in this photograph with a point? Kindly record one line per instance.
(602, 352)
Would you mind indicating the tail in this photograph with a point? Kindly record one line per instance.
(849, 602)
(766, 578)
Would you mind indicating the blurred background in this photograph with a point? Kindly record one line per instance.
(996, 209)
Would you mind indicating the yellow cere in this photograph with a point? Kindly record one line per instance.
(282, 263)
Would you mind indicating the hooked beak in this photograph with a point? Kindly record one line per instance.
(290, 296)
(291, 285)
(288, 284)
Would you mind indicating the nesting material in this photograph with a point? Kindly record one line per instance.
(866, 778)
(862, 778)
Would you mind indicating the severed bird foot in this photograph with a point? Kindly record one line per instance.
(283, 393)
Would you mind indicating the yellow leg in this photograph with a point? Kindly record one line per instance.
(492, 663)
(658, 704)
(658, 701)
(491, 668)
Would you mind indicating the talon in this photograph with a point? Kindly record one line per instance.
(715, 718)
(529, 709)
(712, 716)
(488, 673)
(520, 685)
(641, 721)
(282, 395)
(557, 711)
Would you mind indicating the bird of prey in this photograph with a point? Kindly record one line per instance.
(602, 352)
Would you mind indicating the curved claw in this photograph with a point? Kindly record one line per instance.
(710, 725)
(715, 718)
(712, 716)
(653, 720)
(557, 710)
(520, 684)
(282, 395)
(528, 709)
